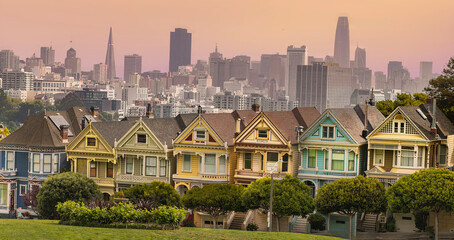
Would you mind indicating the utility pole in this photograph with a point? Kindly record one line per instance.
(270, 212)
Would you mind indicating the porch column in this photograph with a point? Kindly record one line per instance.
(368, 159)
(203, 162)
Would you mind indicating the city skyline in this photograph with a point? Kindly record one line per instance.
(249, 34)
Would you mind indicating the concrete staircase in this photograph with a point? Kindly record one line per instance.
(300, 225)
(370, 221)
(238, 220)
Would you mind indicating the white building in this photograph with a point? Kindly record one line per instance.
(295, 56)
(17, 80)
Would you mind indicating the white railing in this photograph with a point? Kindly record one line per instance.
(139, 178)
(215, 177)
(9, 172)
(230, 218)
(104, 181)
(247, 219)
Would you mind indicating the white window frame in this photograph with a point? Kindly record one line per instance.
(126, 165)
(383, 157)
(399, 128)
(345, 160)
(205, 164)
(33, 163)
(225, 164)
(56, 163)
(307, 162)
(49, 163)
(163, 173)
(150, 165)
(20, 189)
(200, 131)
(7, 166)
(328, 132)
(7, 194)
(261, 130)
(354, 161)
(439, 155)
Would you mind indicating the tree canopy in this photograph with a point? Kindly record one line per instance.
(430, 190)
(290, 197)
(350, 196)
(214, 199)
(69, 101)
(151, 195)
(386, 107)
(442, 88)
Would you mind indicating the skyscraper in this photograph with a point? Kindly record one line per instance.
(342, 43)
(295, 56)
(180, 49)
(110, 58)
(425, 70)
(100, 73)
(360, 58)
(133, 64)
(48, 56)
(73, 63)
(395, 75)
(8, 60)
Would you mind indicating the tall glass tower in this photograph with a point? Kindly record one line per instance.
(342, 43)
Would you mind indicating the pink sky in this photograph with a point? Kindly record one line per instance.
(405, 30)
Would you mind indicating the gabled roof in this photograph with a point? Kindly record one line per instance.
(114, 130)
(40, 131)
(165, 129)
(351, 120)
(223, 124)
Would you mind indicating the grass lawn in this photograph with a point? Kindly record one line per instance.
(48, 229)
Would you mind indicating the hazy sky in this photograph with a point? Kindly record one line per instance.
(405, 30)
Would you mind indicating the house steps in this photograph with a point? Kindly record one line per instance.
(238, 220)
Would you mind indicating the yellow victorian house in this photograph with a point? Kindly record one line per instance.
(92, 152)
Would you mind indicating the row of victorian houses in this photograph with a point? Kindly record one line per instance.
(193, 150)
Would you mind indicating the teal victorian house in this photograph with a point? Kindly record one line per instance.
(335, 147)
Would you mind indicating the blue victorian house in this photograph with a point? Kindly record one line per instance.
(335, 147)
(34, 152)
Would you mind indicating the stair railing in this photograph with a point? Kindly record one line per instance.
(230, 218)
(247, 219)
(292, 223)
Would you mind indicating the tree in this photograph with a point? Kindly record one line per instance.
(30, 199)
(61, 188)
(69, 101)
(442, 88)
(151, 195)
(214, 199)
(105, 117)
(430, 190)
(290, 197)
(386, 107)
(350, 196)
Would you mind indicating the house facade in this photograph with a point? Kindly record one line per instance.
(34, 152)
(408, 140)
(335, 147)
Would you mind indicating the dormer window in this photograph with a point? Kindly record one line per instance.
(200, 135)
(328, 132)
(399, 126)
(263, 134)
(141, 138)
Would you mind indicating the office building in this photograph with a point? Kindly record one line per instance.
(397, 75)
(180, 49)
(17, 80)
(360, 58)
(342, 43)
(48, 56)
(110, 58)
(133, 64)
(239, 67)
(73, 63)
(273, 66)
(295, 56)
(100, 73)
(8, 60)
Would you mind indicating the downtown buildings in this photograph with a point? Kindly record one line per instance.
(180, 49)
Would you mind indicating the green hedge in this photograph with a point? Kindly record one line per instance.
(124, 213)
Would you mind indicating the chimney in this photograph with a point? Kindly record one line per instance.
(256, 107)
(64, 133)
(199, 110)
(94, 111)
(433, 127)
(238, 125)
(149, 111)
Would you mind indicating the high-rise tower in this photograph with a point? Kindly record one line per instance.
(110, 58)
(180, 49)
(133, 64)
(342, 43)
(295, 57)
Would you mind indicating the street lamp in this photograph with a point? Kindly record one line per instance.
(270, 212)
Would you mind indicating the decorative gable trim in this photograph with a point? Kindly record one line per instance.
(317, 123)
(120, 144)
(266, 123)
(387, 123)
(199, 123)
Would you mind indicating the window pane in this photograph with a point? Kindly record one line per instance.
(92, 169)
(271, 161)
(91, 142)
(222, 164)
(312, 158)
(47, 161)
(442, 154)
(420, 156)
(402, 127)
(36, 157)
(109, 169)
(3, 193)
(325, 132)
(129, 164)
(331, 132)
(210, 163)
(141, 138)
(263, 134)
(338, 157)
(396, 127)
(163, 168)
(10, 162)
(56, 162)
(200, 135)
(351, 161)
(326, 159)
(187, 163)
(200, 164)
(285, 163)
(379, 156)
(150, 166)
(247, 160)
(407, 158)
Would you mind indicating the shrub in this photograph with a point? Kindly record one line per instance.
(390, 225)
(187, 223)
(30, 199)
(61, 188)
(252, 227)
(148, 196)
(317, 221)
(421, 218)
(124, 213)
(27, 214)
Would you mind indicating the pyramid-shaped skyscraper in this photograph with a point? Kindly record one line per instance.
(110, 58)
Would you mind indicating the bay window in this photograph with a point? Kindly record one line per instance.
(271, 160)
(311, 160)
(129, 164)
(47, 163)
(407, 156)
(10, 160)
(379, 157)
(285, 163)
(420, 156)
(222, 164)
(109, 170)
(338, 160)
(186, 163)
(56, 163)
(210, 163)
(150, 166)
(36, 157)
(3, 194)
(247, 160)
(326, 152)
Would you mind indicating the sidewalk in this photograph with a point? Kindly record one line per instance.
(401, 236)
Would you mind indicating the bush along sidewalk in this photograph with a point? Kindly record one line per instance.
(123, 215)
